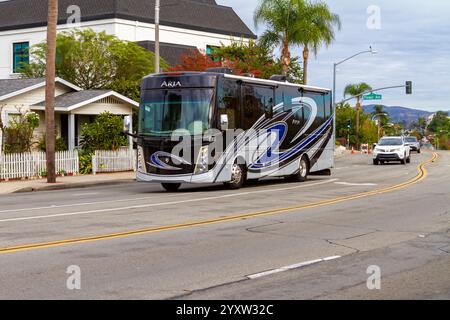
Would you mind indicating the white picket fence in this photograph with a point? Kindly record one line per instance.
(114, 161)
(33, 164)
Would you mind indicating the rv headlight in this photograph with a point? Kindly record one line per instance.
(203, 160)
(141, 160)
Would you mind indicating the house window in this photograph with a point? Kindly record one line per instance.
(21, 55)
(210, 52)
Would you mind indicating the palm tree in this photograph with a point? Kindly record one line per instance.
(382, 115)
(50, 89)
(383, 118)
(280, 17)
(357, 90)
(314, 28)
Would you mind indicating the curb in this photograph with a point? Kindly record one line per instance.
(76, 185)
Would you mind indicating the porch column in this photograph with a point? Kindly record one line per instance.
(71, 132)
(130, 139)
(4, 118)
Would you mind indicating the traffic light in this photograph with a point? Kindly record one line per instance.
(408, 87)
(349, 124)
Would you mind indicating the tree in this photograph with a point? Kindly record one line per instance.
(382, 116)
(280, 17)
(439, 122)
(356, 90)
(314, 27)
(50, 88)
(368, 132)
(195, 60)
(253, 57)
(93, 60)
(422, 124)
(256, 58)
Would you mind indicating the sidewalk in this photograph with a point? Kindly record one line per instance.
(80, 181)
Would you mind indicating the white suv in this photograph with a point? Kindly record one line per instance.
(392, 149)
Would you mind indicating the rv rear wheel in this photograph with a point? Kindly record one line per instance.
(303, 171)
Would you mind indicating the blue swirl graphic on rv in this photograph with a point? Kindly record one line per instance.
(155, 161)
(277, 133)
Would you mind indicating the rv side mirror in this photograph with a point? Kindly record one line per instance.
(224, 122)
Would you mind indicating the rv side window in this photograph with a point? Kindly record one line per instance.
(258, 101)
(285, 95)
(319, 99)
(228, 100)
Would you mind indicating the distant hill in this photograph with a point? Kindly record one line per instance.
(401, 114)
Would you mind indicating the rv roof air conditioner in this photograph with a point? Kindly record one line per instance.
(279, 78)
(220, 70)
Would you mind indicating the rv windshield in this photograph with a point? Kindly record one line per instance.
(165, 111)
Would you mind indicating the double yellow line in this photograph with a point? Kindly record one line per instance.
(422, 173)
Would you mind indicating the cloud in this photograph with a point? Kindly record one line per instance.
(412, 44)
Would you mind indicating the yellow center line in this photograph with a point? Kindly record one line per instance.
(422, 173)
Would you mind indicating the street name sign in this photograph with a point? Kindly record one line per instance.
(372, 96)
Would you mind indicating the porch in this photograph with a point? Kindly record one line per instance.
(74, 109)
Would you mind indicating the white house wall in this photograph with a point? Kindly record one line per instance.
(123, 29)
(34, 36)
(138, 31)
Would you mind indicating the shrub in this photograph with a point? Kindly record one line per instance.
(18, 135)
(105, 133)
(85, 159)
(60, 144)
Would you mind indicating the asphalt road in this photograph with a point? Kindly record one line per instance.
(135, 241)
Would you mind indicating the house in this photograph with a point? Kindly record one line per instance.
(185, 24)
(73, 106)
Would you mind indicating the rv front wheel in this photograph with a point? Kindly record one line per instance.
(171, 187)
(237, 177)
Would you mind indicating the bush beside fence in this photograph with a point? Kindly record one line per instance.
(33, 164)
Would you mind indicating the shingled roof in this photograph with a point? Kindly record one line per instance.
(8, 86)
(77, 99)
(72, 98)
(170, 52)
(201, 15)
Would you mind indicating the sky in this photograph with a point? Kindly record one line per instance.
(412, 38)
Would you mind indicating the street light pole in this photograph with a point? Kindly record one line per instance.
(379, 122)
(157, 12)
(335, 65)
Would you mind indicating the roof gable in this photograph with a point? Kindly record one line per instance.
(13, 87)
(74, 100)
(202, 15)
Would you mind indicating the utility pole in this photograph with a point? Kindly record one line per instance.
(335, 65)
(157, 12)
(50, 89)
